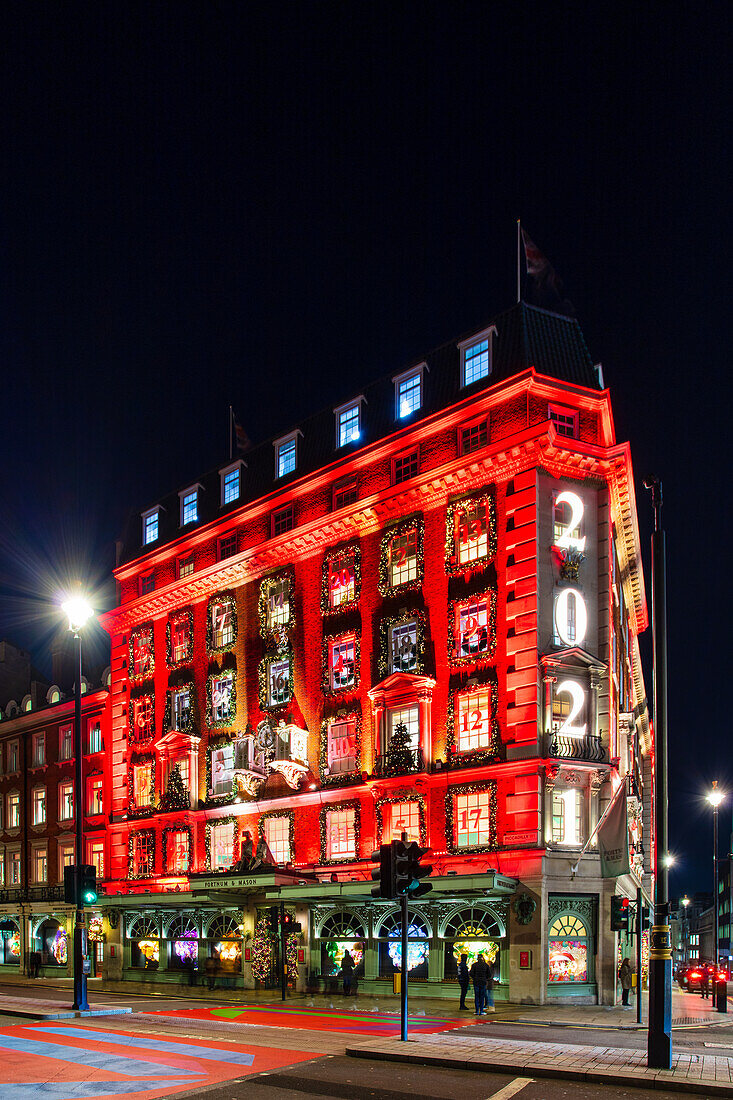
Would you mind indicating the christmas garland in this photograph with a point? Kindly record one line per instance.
(385, 626)
(141, 634)
(230, 820)
(263, 680)
(452, 563)
(470, 788)
(186, 685)
(323, 825)
(290, 816)
(406, 796)
(133, 809)
(261, 948)
(131, 873)
(456, 658)
(187, 615)
(132, 737)
(473, 757)
(164, 844)
(219, 723)
(228, 600)
(347, 779)
(277, 636)
(347, 556)
(386, 588)
(326, 677)
(212, 744)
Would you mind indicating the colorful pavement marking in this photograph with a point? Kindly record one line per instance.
(84, 1063)
(319, 1019)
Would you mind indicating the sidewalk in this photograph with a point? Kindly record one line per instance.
(39, 1008)
(709, 1075)
(688, 1010)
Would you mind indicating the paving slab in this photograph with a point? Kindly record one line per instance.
(38, 1008)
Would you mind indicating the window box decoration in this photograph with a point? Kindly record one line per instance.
(470, 818)
(179, 639)
(141, 654)
(341, 580)
(402, 643)
(401, 561)
(340, 761)
(470, 533)
(221, 623)
(276, 608)
(472, 628)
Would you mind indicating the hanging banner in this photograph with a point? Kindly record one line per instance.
(613, 839)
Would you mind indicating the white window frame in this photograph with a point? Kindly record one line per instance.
(339, 764)
(403, 627)
(172, 856)
(407, 376)
(464, 346)
(281, 443)
(35, 802)
(39, 758)
(144, 516)
(412, 721)
(95, 783)
(394, 810)
(237, 467)
(62, 739)
(66, 785)
(215, 829)
(349, 820)
(42, 851)
(10, 823)
(277, 835)
(343, 410)
(90, 856)
(93, 725)
(176, 709)
(182, 495)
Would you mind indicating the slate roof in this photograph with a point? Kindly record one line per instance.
(526, 337)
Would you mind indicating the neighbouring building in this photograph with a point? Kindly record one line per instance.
(415, 611)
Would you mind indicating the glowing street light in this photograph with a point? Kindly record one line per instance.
(715, 797)
(78, 612)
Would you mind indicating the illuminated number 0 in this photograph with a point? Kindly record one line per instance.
(576, 693)
(577, 508)
(571, 621)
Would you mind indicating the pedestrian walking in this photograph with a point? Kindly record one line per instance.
(464, 980)
(624, 976)
(705, 982)
(210, 969)
(479, 973)
(347, 971)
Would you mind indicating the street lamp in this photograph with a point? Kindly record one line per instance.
(684, 902)
(715, 797)
(78, 612)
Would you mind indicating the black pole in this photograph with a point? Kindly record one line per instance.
(283, 952)
(659, 1043)
(716, 917)
(80, 978)
(403, 972)
(639, 932)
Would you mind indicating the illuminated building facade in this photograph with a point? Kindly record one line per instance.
(416, 611)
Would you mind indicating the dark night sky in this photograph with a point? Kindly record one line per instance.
(271, 204)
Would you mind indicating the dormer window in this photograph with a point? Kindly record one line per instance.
(476, 356)
(565, 421)
(189, 505)
(231, 483)
(408, 392)
(286, 454)
(348, 422)
(151, 525)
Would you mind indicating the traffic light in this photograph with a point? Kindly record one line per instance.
(619, 914)
(401, 867)
(88, 884)
(383, 873)
(645, 917)
(290, 924)
(274, 919)
(417, 871)
(70, 885)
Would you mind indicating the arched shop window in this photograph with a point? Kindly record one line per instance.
(51, 941)
(144, 936)
(390, 945)
(183, 942)
(473, 930)
(224, 934)
(341, 932)
(9, 942)
(569, 955)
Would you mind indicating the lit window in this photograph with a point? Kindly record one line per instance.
(341, 580)
(147, 584)
(402, 558)
(403, 647)
(95, 855)
(221, 698)
(278, 683)
(340, 834)
(405, 467)
(409, 717)
(180, 709)
(39, 750)
(565, 421)
(408, 394)
(95, 803)
(150, 527)
(277, 835)
(476, 357)
(471, 531)
(474, 437)
(95, 737)
(341, 747)
(39, 806)
(472, 819)
(13, 757)
(142, 785)
(286, 455)
(40, 864)
(473, 635)
(178, 856)
(143, 855)
(15, 868)
(342, 663)
(186, 566)
(66, 858)
(473, 720)
(344, 494)
(142, 715)
(142, 654)
(13, 811)
(276, 595)
(566, 817)
(399, 817)
(222, 769)
(227, 546)
(283, 520)
(2, 871)
(348, 424)
(231, 483)
(180, 629)
(66, 801)
(221, 846)
(189, 506)
(222, 623)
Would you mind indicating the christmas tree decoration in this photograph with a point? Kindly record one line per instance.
(262, 949)
(176, 796)
(470, 534)
(401, 560)
(401, 651)
(470, 788)
(221, 699)
(221, 623)
(179, 638)
(351, 719)
(341, 663)
(341, 580)
(291, 957)
(400, 758)
(141, 654)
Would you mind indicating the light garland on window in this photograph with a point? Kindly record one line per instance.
(144, 636)
(470, 788)
(289, 816)
(230, 820)
(339, 806)
(452, 564)
(139, 761)
(326, 671)
(348, 778)
(219, 723)
(190, 725)
(169, 829)
(133, 738)
(472, 757)
(348, 555)
(385, 626)
(386, 588)
(186, 615)
(277, 636)
(397, 799)
(131, 873)
(228, 600)
(212, 744)
(456, 659)
(263, 680)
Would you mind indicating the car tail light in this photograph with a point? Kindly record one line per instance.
(695, 974)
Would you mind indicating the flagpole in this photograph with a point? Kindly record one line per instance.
(231, 445)
(602, 818)
(519, 259)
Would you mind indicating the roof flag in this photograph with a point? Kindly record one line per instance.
(547, 285)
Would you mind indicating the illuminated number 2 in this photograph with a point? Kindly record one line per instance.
(577, 508)
(576, 693)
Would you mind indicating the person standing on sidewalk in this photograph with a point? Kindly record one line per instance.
(624, 976)
(479, 973)
(463, 980)
(705, 981)
(489, 993)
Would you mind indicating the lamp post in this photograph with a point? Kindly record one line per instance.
(715, 797)
(684, 902)
(78, 613)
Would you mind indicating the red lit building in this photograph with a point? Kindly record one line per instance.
(416, 611)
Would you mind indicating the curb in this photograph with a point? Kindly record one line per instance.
(70, 1014)
(656, 1079)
